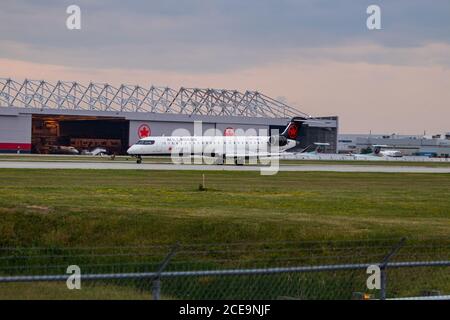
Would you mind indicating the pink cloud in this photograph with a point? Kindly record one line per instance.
(377, 97)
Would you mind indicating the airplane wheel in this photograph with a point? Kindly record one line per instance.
(139, 160)
(236, 162)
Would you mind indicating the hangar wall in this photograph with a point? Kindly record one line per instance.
(245, 127)
(16, 125)
(327, 134)
(15, 133)
(160, 128)
(139, 128)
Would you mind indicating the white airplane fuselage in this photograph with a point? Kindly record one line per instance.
(391, 153)
(379, 156)
(237, 146)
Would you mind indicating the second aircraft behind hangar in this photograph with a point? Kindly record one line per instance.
(221, 147)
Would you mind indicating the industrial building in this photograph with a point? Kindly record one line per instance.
(38, 117)
(410, 145)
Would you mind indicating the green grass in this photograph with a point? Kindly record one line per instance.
(59, 291)
(85, 208)
(105, 207)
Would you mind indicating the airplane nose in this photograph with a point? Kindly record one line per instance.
(131, 150)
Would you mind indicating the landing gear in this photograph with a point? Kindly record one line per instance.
(239, 161)
(138, 159)
(216, 159)
(220, 159)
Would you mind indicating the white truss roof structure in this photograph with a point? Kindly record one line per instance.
(134, 98)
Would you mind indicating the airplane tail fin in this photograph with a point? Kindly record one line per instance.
(376, 150)
(293, 128)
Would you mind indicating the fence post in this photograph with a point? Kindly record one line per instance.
(383, 267)
(156, 287)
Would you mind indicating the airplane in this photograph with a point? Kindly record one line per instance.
(95, 152)
(312, 152)
(392, 153)
(221, 147)
(317, 151)
(63, 150)
(378, 153)
(319, 147)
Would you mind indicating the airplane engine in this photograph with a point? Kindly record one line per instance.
(280, 140)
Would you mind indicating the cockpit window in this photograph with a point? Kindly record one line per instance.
(146, 142)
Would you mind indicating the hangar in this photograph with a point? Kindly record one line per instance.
(36, 116)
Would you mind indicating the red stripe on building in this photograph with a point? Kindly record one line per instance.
(15, 146)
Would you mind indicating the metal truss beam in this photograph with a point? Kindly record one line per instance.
(134, 98)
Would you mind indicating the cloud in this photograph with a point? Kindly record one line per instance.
(381, 98)
(209, 36)
(317, 55)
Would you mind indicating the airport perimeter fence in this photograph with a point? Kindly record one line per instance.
(263, 270)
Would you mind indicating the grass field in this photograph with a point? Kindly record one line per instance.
(58, 291)
(76, 207)
(106, 208)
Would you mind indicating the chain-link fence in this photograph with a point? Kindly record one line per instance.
(263, 270)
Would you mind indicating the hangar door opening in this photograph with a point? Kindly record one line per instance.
(78, 135)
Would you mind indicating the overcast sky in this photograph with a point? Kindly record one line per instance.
(316, 55)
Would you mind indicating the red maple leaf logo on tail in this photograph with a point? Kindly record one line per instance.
(292, 131)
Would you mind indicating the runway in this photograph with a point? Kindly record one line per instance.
(202, 167)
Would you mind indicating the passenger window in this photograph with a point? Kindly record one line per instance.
(146, 142)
